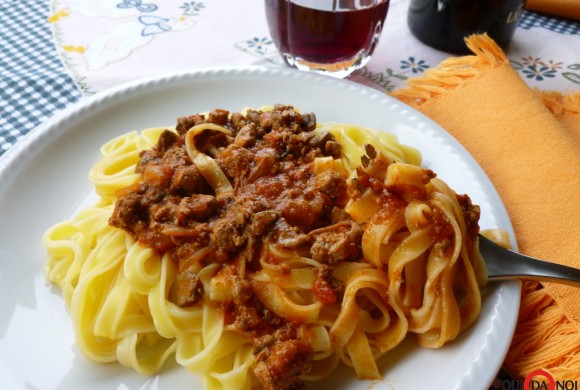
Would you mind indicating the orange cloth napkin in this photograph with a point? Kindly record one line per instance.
(565, 8)
(528, 144)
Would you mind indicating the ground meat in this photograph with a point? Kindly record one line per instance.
(198, 207)
(332, 148)
(238, 120)
(185, 123)
(262, 221)
(246, 136)
(230, 232)
(166, 140)
(309, 121)
(235, 161)
(280, 365)
(266, 120)
(129, 213)
(254, 116)
(145, 157)
(305, 212)
(164, 212)
(338, 214)
(341, 242)
(187, 180)
(297, 144)
(325, 287)
(265, 164)
(188, 248)
(187, 289)
(157, 174)
(219, 117)
(289, 236)
(176, 157)
(471, 213)
(332, 184)
(249, 315)
(242, 291)
(320, 139)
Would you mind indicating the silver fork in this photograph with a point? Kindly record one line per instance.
(504, 264)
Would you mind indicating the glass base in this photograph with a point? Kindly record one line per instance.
(339, 69)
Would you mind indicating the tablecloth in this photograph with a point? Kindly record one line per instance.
(53, 53)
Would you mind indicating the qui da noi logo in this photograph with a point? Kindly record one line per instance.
(539, 380)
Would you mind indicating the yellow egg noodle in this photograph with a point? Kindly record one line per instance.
(116, 290)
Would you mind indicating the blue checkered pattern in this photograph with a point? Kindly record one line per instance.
(33, 82)
(558, 25)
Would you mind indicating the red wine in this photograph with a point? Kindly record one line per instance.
(301, 30)
(443, 24)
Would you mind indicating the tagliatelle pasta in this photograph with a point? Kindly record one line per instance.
(262, 249)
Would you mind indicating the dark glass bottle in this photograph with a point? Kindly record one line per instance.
(443, 24)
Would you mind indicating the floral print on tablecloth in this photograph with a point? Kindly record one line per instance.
(399, 56)
(532, 69)
(106, 42)
(538, 69)
(139, 23)
(103, 43)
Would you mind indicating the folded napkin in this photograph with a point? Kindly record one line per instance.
(565, 8)
(528, 144)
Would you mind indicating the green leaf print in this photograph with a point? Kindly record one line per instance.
(573, 77)
(516, 65)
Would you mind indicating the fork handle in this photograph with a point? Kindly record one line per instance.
(504, 264)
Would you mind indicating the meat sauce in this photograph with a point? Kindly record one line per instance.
(268, 159)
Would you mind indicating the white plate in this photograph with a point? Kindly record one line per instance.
(43, 179)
